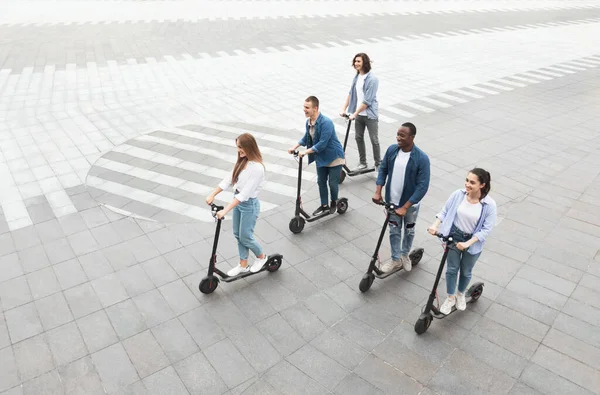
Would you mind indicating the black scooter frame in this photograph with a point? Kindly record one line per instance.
(211, 282)
(300, 216)
(374, 271)
(346, 170)
(430, 311)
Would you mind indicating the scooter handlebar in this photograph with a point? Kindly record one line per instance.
(443, 238)
(388, 206)
(214, 209)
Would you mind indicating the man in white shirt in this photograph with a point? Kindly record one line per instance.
(405, 173)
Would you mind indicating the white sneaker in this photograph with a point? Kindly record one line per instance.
(360, 166)
(391, 265)
(258, 264)
(461, 302)
(237, 270)
(447, 305)
(406, 263)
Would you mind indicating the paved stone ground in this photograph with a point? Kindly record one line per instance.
(104, 120)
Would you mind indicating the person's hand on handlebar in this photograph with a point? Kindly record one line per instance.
(352, 117)
(220, 214)
(401, 211)
(377, 198)
(291, 150)
(210, 199)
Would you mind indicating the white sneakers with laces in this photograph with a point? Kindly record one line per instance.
(256, 266)
(461, 301)
(447, 306)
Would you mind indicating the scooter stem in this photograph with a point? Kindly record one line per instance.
(429, 305)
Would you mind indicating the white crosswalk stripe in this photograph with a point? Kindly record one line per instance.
(167, 174)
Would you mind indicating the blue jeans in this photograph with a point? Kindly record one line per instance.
(245, 215)
(399, 245)
(333, 175)
(459, 260)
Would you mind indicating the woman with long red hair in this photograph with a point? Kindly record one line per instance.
(247, 178)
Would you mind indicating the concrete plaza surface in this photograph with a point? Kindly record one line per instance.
(116, 118)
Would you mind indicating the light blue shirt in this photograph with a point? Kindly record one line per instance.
(370, 96)
(484, 226)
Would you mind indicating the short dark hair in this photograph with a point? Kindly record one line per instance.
(313, 100)
(366, 61)
(484, 177)
(411, 127)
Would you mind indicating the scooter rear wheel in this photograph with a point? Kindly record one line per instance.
(416, 255)
(274, 265)
(297, 224)
(475, 291)
(422, 324)
(366, 282)
(208, 284)
(342, 206)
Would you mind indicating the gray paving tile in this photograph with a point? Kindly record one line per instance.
(159, 271)
(135, 280)
(548, 382)
(153, 307)
(42, 283)
(179, 297)
(358, 332)
(174, 340)
(385, 377)
(405, 360)
(319, 366)
(82, 300)
(259, 387)
(126, 319)
(109, 289)
(106, 235)
(120, 256)
(95, 265)
(288, 379)
(114, 368)
(522, 389)
(494, 355)
(524, 305)
(165, 382)
(506, 337)
(15, 293)
(7, 246)
(566, 367)
(66, 344)
(145, 353)
(33, 357)
(53, 311)
(354, 384)
(202, 327)
(23, 322)
(303, 321)
(256, 349)
(339, 349)
(573, 347)
(93, 217)
(83, 242)
(254, 306)
(445, 383)
(475, 371)
(136, 388)
(11, 267)
(426, 345)
(9, 375)
(80, 377)
(97, 331)
(325, 308)
(578, 329)
(33, 258)
(199, 376)
(517, 321)
(47, 383)
(222, 356)
(58, 250)
(25, 238)
(4, 338)
(280, 334)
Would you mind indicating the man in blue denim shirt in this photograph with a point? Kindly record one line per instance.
(325, 149)
(405, 173)
(364, 108)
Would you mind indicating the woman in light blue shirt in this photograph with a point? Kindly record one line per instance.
(469, 216)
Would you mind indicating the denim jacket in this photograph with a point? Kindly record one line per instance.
(370, 96)
(484, 226)
(416, 176)
(325, 143)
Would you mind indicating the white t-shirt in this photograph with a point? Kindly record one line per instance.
(360, 93)
(398, 176)
(249, 184)
(467, 216)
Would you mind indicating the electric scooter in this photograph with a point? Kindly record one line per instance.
(301, 217)
(211, 282)
(430, 311)
(345, 169)
(373, 270)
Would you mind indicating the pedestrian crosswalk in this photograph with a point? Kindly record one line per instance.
(165, 175)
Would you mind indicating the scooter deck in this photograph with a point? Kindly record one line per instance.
(439, 315)
(224, 277)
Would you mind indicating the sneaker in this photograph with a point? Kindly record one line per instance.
(258, 264)
(391, 265)
(461, 302)
(361, 166)
(333, 207)
(406, 263)
(237, 270)
(447, 305)
(320, 210)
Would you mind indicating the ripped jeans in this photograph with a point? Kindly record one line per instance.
(399, 245)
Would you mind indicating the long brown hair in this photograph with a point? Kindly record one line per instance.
(248, 143)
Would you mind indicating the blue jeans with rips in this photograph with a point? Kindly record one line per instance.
(401, 246)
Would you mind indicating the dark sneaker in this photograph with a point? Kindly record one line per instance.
(333, 207)
(320, 210)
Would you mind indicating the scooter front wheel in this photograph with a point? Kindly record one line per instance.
(208, 284)
(297, 224)
(423, 323)
(366, 282)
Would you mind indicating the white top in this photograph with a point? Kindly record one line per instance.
(249, 184)
(360, 93)
(467, 216)
(398, 176)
